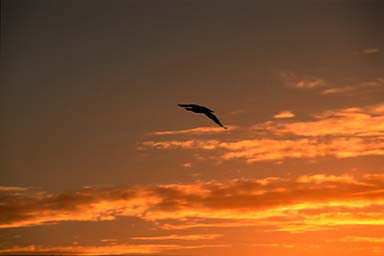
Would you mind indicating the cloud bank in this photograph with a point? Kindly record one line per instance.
(341, 133)
(310, 202)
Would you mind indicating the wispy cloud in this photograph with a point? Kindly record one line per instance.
(283, 245)
(365, 239)
(338, 90)
(236, 112)
(187, 165)
(310, 202)
(370, 50)
(293, 80)
(368, 239)
(315, 83)
(109, 240)
(115, 249)
(375, 85)
(12, 188)
(198, 130)
(180, 237)
(321, 178)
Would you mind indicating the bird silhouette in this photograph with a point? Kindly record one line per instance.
(202, 110)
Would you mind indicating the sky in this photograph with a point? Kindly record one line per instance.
(98, 159)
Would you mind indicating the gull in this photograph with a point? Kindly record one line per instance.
(202, 110)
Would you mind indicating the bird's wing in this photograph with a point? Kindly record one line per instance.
(214, 118)
(207, 109)
(187, 105)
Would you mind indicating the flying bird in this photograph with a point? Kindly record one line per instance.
(202, 110)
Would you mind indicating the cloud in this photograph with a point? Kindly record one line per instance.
(109, 240)
(310, 83)
(372, 86)
(198, 130)
(340, 133)
(368, 239)
(88, 204)
(12, 188)
(90, 250)
(299, 204)
(356, 121)
(279, 149)
(293, 80)
(180, 237)
(115, 249)
(321, 178)
(187, 165)
(284, 114)
(338, 90)
(266, 150)
(283, 245)
(237, 112)
(370, 50)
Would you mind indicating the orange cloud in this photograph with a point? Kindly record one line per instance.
(198, 130)
(116, 249)
(264, 150)
(12, 188)
(310, 202)
(180, 237)
(187, 165)
(321, 178)
(366, 121)
(362, 239)
(89, 204)
(341, 133)
(284, 114)
(284, 245)
(277, 149)
(90, 250)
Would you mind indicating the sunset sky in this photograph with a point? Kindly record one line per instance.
(97, 158)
